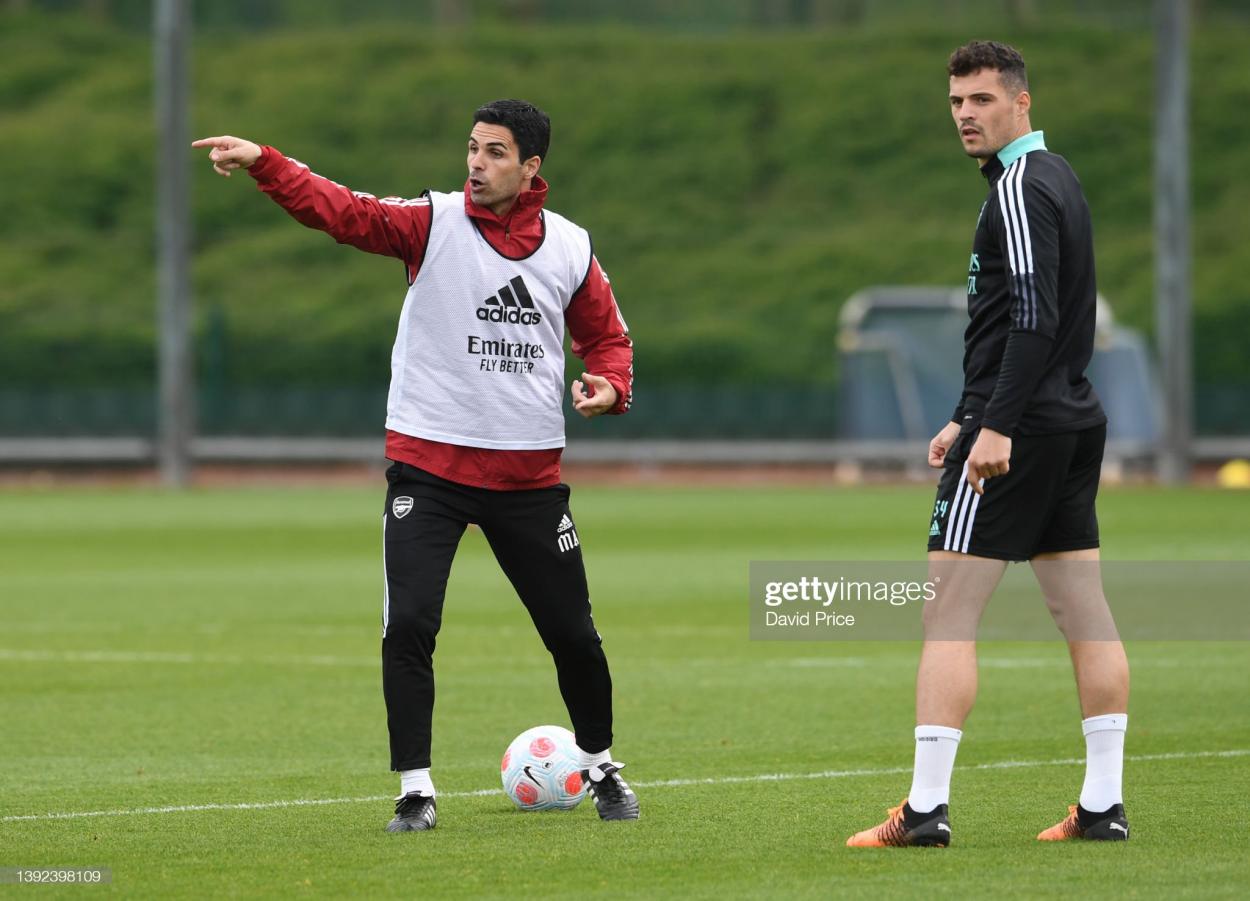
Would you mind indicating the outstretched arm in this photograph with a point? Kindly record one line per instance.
(391, 226)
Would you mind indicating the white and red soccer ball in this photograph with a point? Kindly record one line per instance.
(540, 770)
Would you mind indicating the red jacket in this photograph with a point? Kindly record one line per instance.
(401, 228)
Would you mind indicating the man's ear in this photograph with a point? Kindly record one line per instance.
(1023, 102)
(530, 167)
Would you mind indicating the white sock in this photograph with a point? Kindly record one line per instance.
(935, 758)
(591, 760)
(416, 781)
(1104, 761)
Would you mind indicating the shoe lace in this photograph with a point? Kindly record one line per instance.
(410, 805)
(611, 787)
(1072, 826)
(893, 831)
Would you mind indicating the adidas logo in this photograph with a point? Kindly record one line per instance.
(566, 535)
(934, 530)
(512, 304)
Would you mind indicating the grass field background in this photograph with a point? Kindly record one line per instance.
(220, 647)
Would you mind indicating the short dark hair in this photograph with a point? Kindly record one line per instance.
(1002, 58)
(530, 126)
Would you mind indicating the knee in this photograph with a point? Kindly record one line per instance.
(1082, 618)
(573, 639)
(944, 620)
(1060, 613)
(410, 626)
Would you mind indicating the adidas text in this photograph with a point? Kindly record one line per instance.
(511, 314)
(512, 303)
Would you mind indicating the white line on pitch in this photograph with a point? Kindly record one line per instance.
(1059, 661)
(18, 655)
(14, 655)
(665, 783)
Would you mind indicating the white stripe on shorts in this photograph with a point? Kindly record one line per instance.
(951, 525)
(972, 517)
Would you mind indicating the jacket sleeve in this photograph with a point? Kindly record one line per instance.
(1029, 239)
(391, 226)
(958, 415)
(600, 336)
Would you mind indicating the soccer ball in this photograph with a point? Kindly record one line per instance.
(540, 770)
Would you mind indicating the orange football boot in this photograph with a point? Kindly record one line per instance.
(1109, 826)
(906, 828)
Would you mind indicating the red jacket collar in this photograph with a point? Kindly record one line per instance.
(524, 212)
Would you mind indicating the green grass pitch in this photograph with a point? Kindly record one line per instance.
(219, 648)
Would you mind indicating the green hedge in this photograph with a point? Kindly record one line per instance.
(739, 188)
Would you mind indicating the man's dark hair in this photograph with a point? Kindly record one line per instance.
(1002, 58)
(530, 126)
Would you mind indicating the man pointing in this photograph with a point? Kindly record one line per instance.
(474, 422)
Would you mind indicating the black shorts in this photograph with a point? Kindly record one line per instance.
(1045, 503)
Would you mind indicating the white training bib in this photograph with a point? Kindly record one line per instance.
(479, 355)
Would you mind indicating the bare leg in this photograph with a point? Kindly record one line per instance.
(946, 687)
(1072, 584)
(946, 682)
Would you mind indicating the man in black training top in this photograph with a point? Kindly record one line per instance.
(1021, 457)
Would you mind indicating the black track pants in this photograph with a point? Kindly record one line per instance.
(535, 541)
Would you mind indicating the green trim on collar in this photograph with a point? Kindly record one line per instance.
(1034, 140)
